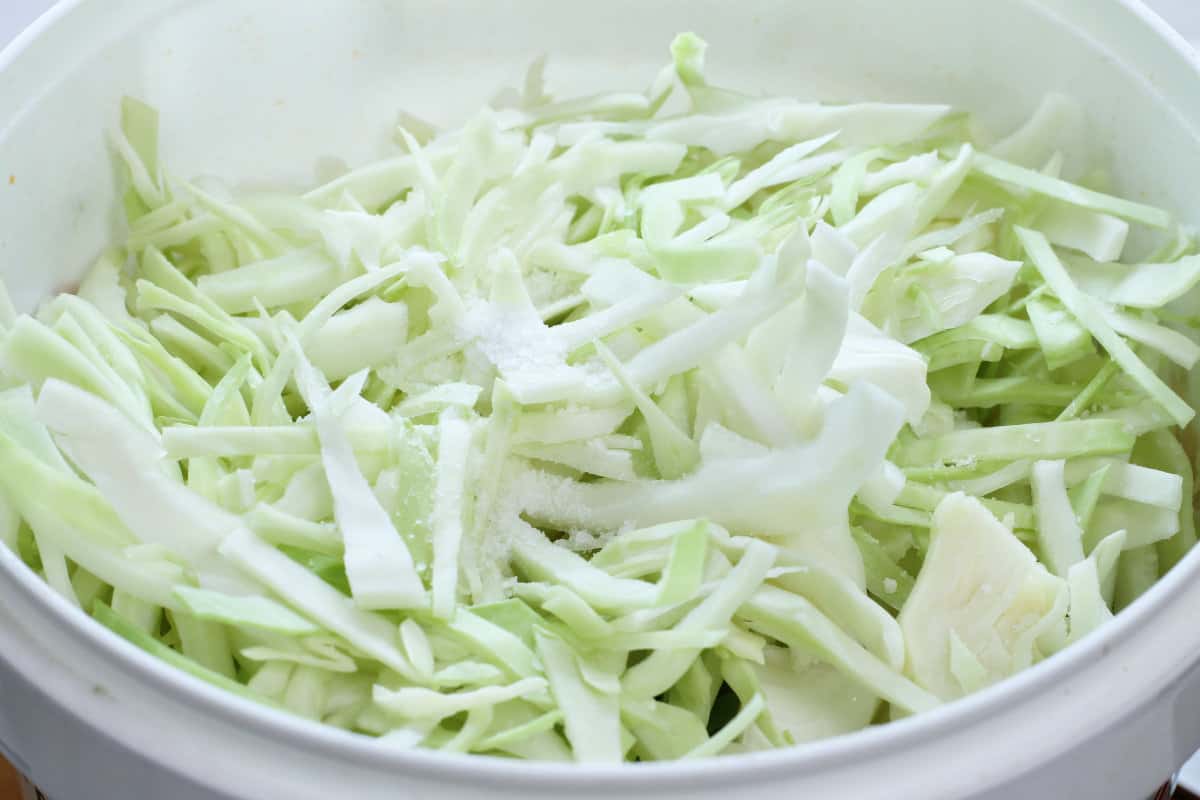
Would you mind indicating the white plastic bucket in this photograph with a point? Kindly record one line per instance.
(265, 88)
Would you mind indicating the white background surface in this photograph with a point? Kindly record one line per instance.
(1183, 14)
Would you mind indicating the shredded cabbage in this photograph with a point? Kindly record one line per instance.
(626, 427)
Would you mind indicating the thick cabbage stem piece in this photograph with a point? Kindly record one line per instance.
(981, 585)
(941, 295)
(809, 699)
(1059, 534)
(870, 355)
(378, 563)
(769, 494)
(591, 715)
(127, 465)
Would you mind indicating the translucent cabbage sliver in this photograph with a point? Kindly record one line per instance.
(640, 426)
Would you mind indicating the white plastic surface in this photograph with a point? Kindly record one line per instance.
(1183, 15)
(266, 88)
(15, 15)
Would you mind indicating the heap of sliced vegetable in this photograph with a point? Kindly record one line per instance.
(629, 427)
